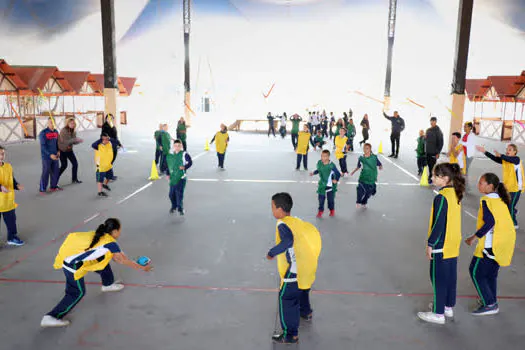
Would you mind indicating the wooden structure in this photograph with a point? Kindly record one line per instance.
(29, 94)
(497, 106)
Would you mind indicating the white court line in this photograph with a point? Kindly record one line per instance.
(134, 193)
(295, 181)
(199, 155)
(92, 217)
(401, 168)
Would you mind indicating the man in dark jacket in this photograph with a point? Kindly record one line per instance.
(433, 145)
(50, 153)
(398, 125)
(271, 125)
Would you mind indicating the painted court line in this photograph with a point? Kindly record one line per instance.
(401, 168)
(294, 181)
(259, 290)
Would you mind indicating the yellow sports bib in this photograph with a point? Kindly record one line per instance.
(7, 200)
(453, 229)
(303, 140)
(221, 142)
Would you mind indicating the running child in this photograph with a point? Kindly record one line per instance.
(497, 240)
(222, 139)
(513, 175)
(318, 140)
(303, 144)
(366, 186)
(457, 153)
(420, 153)
(178, 163)
(298, 245)
(327, 187)
(8, 185)
(81, 253)
(350, 134)
(444, 239)
(104, 150)
(341, 147)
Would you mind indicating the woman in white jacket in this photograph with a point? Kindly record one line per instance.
(469, 142)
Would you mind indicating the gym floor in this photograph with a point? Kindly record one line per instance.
(212, 287)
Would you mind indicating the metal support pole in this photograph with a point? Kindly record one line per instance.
(111, 91)
(187, 90)
(391, 36)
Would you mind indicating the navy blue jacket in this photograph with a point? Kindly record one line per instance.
(48, 143)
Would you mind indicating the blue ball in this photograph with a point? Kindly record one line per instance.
(143, 260)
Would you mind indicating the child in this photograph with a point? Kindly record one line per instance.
(178, 163)
(303, 144)
(104, 149)
(341, 147)
(318, 140)
(350, 134)
(158, 151)
(420, 153)
(222, 139)
(296, 120)
(50, 155)
(165, 141)
(327, 187)
(331, 126)
(298, 245)
(497, 239)
(81, 253)
(366, 186)
(513, 176)
(444, 239)
(457, 154)
(8, 185)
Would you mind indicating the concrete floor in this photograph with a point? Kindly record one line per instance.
(212, 287)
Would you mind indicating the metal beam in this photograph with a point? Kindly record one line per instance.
(391, 36)
(462, 46)
(108, 44)
(187, 29)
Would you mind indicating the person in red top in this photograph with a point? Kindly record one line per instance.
(469, 141)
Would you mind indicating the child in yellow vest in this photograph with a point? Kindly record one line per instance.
(298, 245)
(497, 240)
(456, 153)
(341, 147)
(513, 176)
(81, 253)
(303, 144)
(8, 185)
(221, 139)
(104, 150)
(444, 239)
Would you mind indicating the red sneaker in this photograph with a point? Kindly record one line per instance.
(319, 214)
(332, 212)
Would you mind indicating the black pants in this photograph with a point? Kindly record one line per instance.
(365, 136)
(431, 162)
(342, 165)
(350, 143)
(394, 139)
(484, 274)
(305, 161)
(421, 162)
(221, 157)
(324, 131)
(295, 137)
(330, 196)
(271, 128)
(64, 156)
(443, 275)
(158, 156)
(282, 131)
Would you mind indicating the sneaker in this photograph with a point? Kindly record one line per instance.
(332, 213)
(42, 193)
(115, 287)
(56, 189)
(77, 181)
(396, 156)
(16, 242)
(358, 206)
(281, 339)
(307, 317)
(516, 227)
(319, 214)
(106, 187)
(486, 310)
(391, 156)
(449, 312)
(431, 317)
(102, 194)
(297, 169)
(172, 211)
(181, 212)
(50, 321)
(305, 169)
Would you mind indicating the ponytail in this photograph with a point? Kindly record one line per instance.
(453, 172)
(499, 187)
(503, 193)
(107, 227)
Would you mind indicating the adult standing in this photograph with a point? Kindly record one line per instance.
(109, 128)
(271, 124)
(67, 139)
(282, 129)
(433, 145)
(181, 132)
(398, 125)
(50, 153)
(469, 141)
(365, 129)
(296, 120)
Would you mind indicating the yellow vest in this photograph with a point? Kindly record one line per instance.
(76, 243)
(455, 160)
(509, 177)
(340, 144)
(220, 142)
(7, 200)
(303, 140)
(103, 157)
(307, 247)
(453, 229)
(504, 235)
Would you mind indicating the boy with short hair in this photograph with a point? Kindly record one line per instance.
(298, 245)
(327, 187)
(456, 153)
(178, 163)
(104, 150)
(318, 140)
(8, 185)
(303, 143)
(366, 186)
(350, 133)
(420, 153)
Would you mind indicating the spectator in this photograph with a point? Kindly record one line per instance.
(398, 125)
(66, 140)
(433, 145)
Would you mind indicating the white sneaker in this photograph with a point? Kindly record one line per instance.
(115, 287)
(516, 226)
(50, 321)
(449, 312)
(431, 317)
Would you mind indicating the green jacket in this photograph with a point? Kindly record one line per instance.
(156, 135)
(175, 161)
(165, 142)
(351, 131)
(181, 131)
(295, 125)
(369, 169)
(327, 173)
(420, 151)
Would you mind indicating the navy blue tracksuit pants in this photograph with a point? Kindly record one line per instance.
(293, 303)
(342, 165)
(484, 274)
(364, 192)
(75, 291)
(50, 169)
(163, 164)
(158, 156)
(304, 158)
(220, 157)
(513, 206)
(10, 223)
(444, 276)
(177, 195)
(330, 196)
